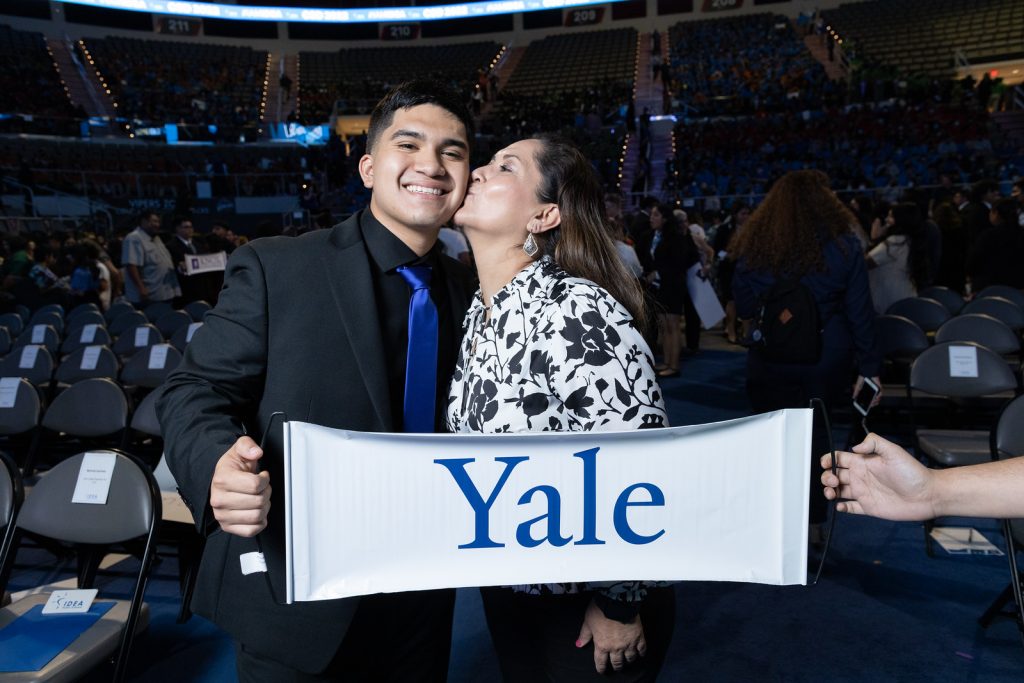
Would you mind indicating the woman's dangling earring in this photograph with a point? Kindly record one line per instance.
(530, 246)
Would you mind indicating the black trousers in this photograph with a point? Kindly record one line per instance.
(535, 636)
(773, 386)
(394, 637)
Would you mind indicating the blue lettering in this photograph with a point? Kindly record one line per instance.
(589, 458)
(481, 508)
(553, 516)
(622, 523)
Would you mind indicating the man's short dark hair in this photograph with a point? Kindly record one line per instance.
(179, 219)
(982, 188)
(413, 94)
(146, 213)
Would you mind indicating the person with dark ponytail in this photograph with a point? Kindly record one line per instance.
(551, 343)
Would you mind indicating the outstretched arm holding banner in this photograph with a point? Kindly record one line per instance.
(881, 479)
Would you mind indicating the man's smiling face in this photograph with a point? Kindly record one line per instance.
(418, 170)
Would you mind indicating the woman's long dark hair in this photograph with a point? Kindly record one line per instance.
(907, 222)
(786, 233)
(581, 244)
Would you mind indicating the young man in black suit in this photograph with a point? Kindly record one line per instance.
(316, 327)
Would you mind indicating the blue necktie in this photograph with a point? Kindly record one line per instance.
(421, 362)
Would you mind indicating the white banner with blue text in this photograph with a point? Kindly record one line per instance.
(382, 513)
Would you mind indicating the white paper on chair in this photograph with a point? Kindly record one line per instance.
(38, 334)
(90, 358)
(28, 357)
(9, 391)
(191, 331)
(963, 361)
(141, 336)
(380, 513)
(157, 357)
(709, 308)
(94, 477)
(88, 333)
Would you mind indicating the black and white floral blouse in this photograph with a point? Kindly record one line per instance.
(557, 353)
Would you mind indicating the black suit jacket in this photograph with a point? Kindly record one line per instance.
(295, 330)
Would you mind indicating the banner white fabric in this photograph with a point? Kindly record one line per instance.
(381, 513)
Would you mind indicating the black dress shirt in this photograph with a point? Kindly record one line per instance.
(392, 294)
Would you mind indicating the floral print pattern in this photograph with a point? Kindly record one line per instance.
(556, 353)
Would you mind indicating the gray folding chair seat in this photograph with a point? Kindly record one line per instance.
(33, 362)
(953, 447)
(150, 368)
(91, 334)
(40, 335)
(125, 321)
(945, 296)
(171, 322)
(13, 322)
(999, 308)
(197, 309)
(131, 512)
(1008, 442)
(1004, 291)
(982, 329)
(928, 314)
(136, 339)
(87, 362)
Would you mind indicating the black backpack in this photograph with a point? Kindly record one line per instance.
(788, 327)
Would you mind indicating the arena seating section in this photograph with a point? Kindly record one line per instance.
(161, 81)
(357, 78)
(28, 78)
(923, 35)
(742, 65)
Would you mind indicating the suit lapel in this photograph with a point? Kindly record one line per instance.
(351, 284)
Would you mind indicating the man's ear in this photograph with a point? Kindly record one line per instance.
(366, 171)
(548, 218)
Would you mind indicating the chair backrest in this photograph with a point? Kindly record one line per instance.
(5, 341)
(23, 414)
(45, 335)
(155, 311)
(1008, 442)
(197, 309)
(86, 363)
(928, 314)
(117, 309)
(12, 494)
(150, 368)
(81, 309)
(1004, 291)
(136, 339)
(92, 334)
(126, 321)
(130, 511)
(51, 318)
(33, 362)
(13, 323)
(51, 308)
(899, 337)
(982, 329)
(171, 322)
(183, 336)
(23, 311)
(88, 317)
(90, 408)
(961, 370)
(945, 296)
(999, 308)
(144, 418)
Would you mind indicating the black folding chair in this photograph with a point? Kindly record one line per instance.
(171, 322)
(197, 309)
(12, 494)
(999, 308)
(928, 314)
(130, 514)
(945, 296)
(136, 339)
(1004, 291)
(149, 369)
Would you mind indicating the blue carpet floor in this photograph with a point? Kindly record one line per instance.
(883, 611)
